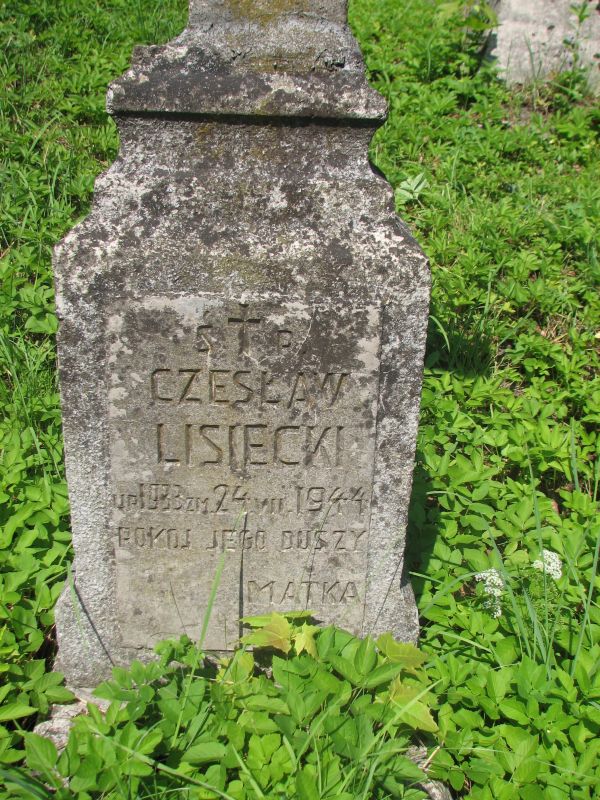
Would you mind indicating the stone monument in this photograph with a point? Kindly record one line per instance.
(242, 328)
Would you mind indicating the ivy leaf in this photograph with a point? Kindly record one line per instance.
(413, 710)
(306, 785)
(204, 753)
(381, 674)
(261, 749)
(366, 656)
(27, 783)
(411, 188)
(277, 633)
(16, 711)
(305, 640)
(403, 653)
(237, 669)
(257, 722)
(261, 702)
(346, 669)
(260, 620)
(41, 756)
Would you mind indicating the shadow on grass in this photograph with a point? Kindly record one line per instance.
(461, 347)
(423, 527)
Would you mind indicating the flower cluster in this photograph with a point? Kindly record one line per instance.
(549, 563)
(493, 586)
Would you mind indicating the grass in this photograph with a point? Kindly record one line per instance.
(506, 207)
(56, 62)
(500, 187)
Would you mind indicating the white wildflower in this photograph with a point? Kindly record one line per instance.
(549, 563)
(493, 586)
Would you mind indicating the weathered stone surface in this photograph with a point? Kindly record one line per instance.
(242, 331)
(244, 430)
(215, 11)
(540, 38)
(435, 790)
(58, 726)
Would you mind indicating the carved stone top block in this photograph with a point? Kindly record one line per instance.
(242, 330)
(264, 10)
(273, 58)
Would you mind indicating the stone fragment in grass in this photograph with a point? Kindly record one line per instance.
(538, 39)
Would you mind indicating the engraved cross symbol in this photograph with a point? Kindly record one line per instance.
(244, 321)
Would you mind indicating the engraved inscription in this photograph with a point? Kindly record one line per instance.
(176, 498)
(302, 593)
(245, 322)
(242, 437)
(214, 387)
(256, 444)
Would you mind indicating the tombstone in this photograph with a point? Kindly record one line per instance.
(242, 327)
(538, 39)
